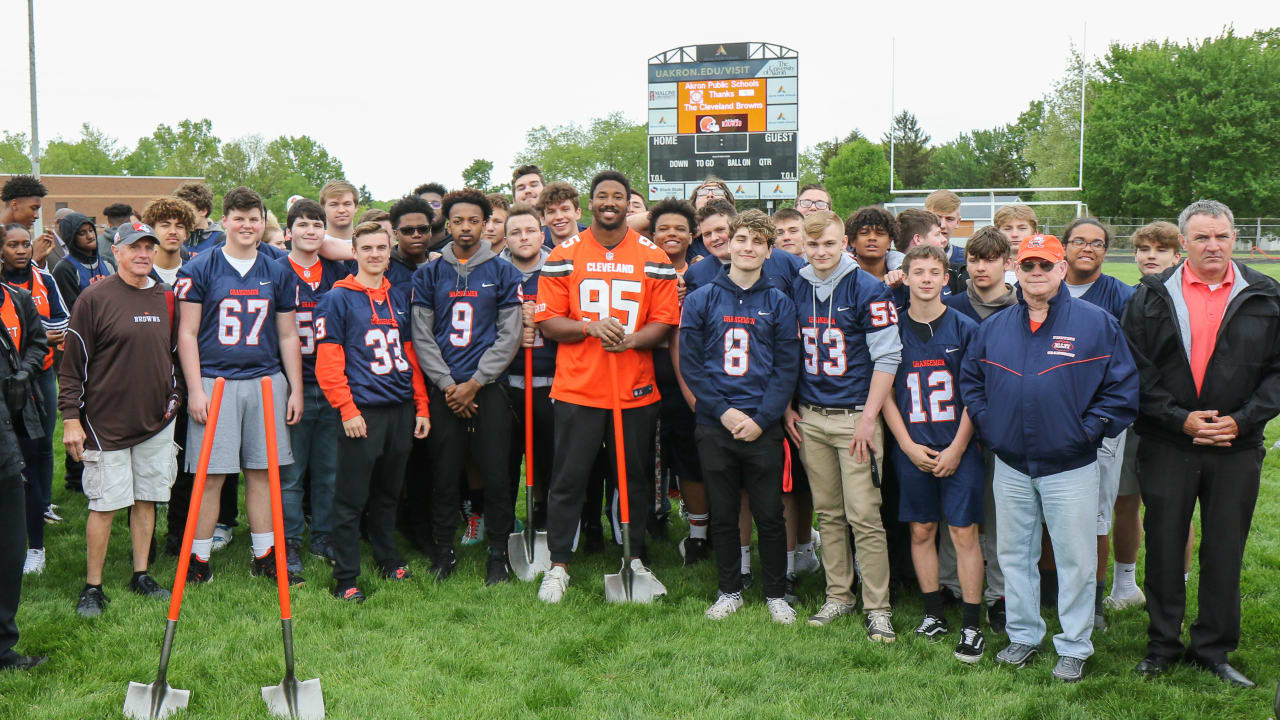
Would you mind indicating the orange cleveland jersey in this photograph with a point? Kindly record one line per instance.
(583, 280)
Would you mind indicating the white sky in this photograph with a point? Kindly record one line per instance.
(407, 92)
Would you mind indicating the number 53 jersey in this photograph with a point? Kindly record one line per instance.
(927, 387)
(237, 337)
(635, 283)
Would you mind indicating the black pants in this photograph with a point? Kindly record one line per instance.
(415, 510)
(580, 430)
(485, 438)
(370, 475)
(730, 466)
(543, 440)
(13, 551)
(1171, 479)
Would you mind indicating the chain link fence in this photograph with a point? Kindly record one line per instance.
(1259, 237)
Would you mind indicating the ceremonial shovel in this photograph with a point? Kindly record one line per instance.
(527, 551)
(626, 585)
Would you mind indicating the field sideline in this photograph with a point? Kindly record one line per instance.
(462, 650)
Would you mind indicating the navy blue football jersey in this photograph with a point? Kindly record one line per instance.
(544, 351)
(313, 283)
(374, 338)
(926, 387)
(466, 308)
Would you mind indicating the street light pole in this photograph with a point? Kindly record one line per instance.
(35, 127)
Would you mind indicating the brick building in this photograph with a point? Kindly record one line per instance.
(89, 194)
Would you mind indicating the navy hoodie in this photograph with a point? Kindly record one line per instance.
(1043, 400)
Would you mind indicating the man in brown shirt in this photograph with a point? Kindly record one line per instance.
(119, 392)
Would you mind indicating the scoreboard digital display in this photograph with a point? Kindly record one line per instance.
(727, 110)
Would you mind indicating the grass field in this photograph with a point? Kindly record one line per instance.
(462, 650)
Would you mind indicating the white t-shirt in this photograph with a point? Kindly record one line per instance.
(242, 266)
(168, 276)
(1078, 290)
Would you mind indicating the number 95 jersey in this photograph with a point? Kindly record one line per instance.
(237, 337)
(634, 282)
(927, 387)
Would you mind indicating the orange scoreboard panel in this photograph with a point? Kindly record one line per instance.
(720, 106)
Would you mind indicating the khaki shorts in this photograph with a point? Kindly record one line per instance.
(114, 479)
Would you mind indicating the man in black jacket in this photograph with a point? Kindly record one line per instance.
(23, 347)
(1206, 338)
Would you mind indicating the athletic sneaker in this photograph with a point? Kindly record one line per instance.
(933, 627)
(807, 560)
(92, 602)
(1121, 602)
(829, 611)
(780, 611)
(789, 588)
(724, 606)
(266, 567)
(51, 517)
(222, 535)
(198, 571)
(554, 582)
(443, 562)
(1017, 654)
(880, 628)
(496, 571)
(395, 574)
(1069, 669)
(320, 547)
(293, 554)
(474, 534)
(145, 586)
(34, 564)
(349, 594)
(996, 617)
(694, 550)
(971, 646)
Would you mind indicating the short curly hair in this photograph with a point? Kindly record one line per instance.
(198, 194)
(21, 186)
(672, 206)
(875, 218)
(469, 196)
(555, 193)
(756, 222)
(170, 207)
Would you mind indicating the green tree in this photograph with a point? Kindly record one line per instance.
(93, 154)
(13, 153)
(302, 156)
(574, 153)
(477, 175)
(911, 150)
(190, 150)
(1174, 123)
(1052, 126)
(955, 165)
(815, 159)
(858, 175)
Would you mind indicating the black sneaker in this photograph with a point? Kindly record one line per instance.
(293, 555)
(496, 571)
(971, 646)
(933, 627)
(92, 602)
(198, 571)
(321, 548)
(350, 594)
(266, 567)
(996, 616)
(396, 574)
(145, 586)
(443, 563)
(694, 550)
(25, 662)
(789, 589)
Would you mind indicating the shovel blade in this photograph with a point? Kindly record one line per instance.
(628, 585)
(144, 701)
(293, 699)
(527, 562)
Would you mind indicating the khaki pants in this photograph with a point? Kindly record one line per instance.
(844, 497)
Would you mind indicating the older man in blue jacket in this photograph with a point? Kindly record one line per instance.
(1045, 381)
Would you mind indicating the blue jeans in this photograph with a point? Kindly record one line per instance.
(315, 447)
(1068, 503)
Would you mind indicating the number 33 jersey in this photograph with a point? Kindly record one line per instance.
(635, 283)
(927, 387)
(237, 337)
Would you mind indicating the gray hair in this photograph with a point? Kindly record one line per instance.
(1212, 208)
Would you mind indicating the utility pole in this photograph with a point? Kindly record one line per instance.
(38, 228)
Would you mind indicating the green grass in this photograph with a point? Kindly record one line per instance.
(462, 650)
(1128, 273)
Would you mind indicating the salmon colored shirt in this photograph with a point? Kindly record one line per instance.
(1205, 307)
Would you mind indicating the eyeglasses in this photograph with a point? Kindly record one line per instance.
(712, 191)
(820, 204)
(435, 203)
(1030, 265)
(410, 230)
(1081, 242)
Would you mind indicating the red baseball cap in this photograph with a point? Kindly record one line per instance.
(1043, 247)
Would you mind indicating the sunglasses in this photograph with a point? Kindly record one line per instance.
(1030, 265)
(410, 230)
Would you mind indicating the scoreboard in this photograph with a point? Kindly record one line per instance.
(727, 110)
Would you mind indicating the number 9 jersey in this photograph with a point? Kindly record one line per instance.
(237, 338)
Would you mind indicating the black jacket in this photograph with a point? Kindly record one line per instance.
(1242, 379)
(29, 355)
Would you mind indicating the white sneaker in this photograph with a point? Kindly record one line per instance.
(1120, 602)
(807, 561)
(637, 567)
(554, 583)
(34, 564)
(780, 611)
(51, 517)
(222, 535)
(474, 533)
(829, 611)
(725, 605)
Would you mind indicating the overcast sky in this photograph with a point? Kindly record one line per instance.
(408, 92)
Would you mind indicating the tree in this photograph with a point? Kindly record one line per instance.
(477, 175)
(858, 175)
(1171, 124)
(190, 150)
(911, 150)
(815, 159)
(575, 154)
(955, 165)
(13, 153)
(303, 156)
(93, 154)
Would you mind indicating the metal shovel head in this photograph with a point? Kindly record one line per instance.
(527, 562)
(293, 699)
(643, 586)
(145, 700)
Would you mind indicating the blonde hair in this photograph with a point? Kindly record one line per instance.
(1161, 233)
(368, 227)
(942, 201)
(335, 187)
(818, 221)
(1010, 213)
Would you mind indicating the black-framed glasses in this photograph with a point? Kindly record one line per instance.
(820, 204)
(1030, 265)
(1081, 242)
(411, 230)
